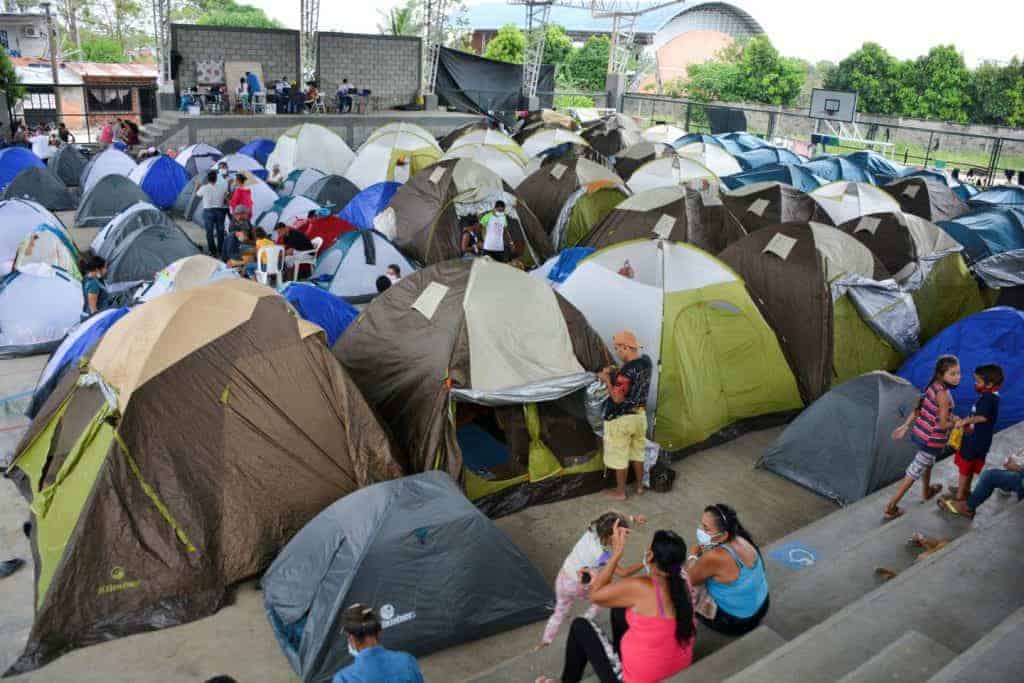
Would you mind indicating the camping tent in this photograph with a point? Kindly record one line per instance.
(794, 176)
(161, 178)
(48, 244)
(553, 193)
(309, 145)
(761, 205)
(38, 305)
(635, 156)
(67, 163)
(481, 370)
(199, 158)
(674, 213)
(364, 207)
(242, 162)
(331, 313)
(259, 149)
(695, 138)
(332, 191)
(993, 240)
(738, 142)
(508, 163)
(193, 271)
(668, 172)
(286, 210)
(544, 139)
(766, 156)
(189, 205)
(265, 455)
(491, 137)
(841, 446)
(876, 164)
(108, 162)
(393, 155)
(13, 160)
(803, 277)
(834, 169)
(350, 267)
(843, 201)
(931, 200)
(300, 180)
(416, 550)
(39, 184)
(611, 134)
(925, 261)
(426, 215)
(18, 218)
(1003, 196)
(231, 145)
(664, 133)
(992, 336)
(109, 196)
(449, 139)
(328, 228)
(716, 360)
(713, 157)
(80, 341)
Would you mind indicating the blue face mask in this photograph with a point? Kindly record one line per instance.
(352, 649)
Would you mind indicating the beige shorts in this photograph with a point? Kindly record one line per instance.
(624, 440)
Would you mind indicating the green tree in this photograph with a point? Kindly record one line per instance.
(766, 76)
(942, 83)
(997, 94)
(557, 46)
(102, 49)
(873, 73)
(587, 67)
(9, 83)
(709, 81)
(509, 45)
(231, 13)
(400, 21)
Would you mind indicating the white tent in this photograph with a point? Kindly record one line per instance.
(49, 244)
(668, 172)
(663, 132)
(506, 162)
(844, 200)
(311, 146)
(18, 217)
(198, 158)
(490, 137)
(393, 155)
(186, 273)
(546, 138)
(132, 218)
(354, 263)
(240, 162)
(300, 180)
(37, 308)
(108, 162)
(714, 157)
(286, 210)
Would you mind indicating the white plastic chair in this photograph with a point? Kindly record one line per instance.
(269, 262)
(258, 102)
(298, 258)
(318, 106)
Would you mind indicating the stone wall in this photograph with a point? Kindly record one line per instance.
(277, 50)
(388, 66)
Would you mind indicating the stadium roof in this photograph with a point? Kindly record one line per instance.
(496, 15)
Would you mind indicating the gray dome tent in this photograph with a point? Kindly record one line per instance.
(40, 185)
(333, 191)
(111, 195)
(436, 569)
(188, 204)
(840, 446)
(68, 164)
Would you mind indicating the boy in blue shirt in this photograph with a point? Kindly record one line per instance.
(373, 662)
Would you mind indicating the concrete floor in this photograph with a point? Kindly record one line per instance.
(238, 640)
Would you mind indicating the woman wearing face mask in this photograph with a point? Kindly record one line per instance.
(371, 660)
(659, 629)
(728, 563)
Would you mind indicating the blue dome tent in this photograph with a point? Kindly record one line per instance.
(738, 142)
(795, 176)
(992, 336)
(993, 240)
(833, 169)
(318, 306)
(698, 137)
(162, 178)
(766, 156)
(965, 191)
(13, 160)
(877, 165)
(1005, 196)
(365, 206)
(259, 149)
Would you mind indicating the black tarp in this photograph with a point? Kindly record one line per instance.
(471, 83)
(723, 120)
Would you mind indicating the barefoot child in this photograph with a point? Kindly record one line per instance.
(590, 552)
(931, 422)
(625, 416)
(978, 428)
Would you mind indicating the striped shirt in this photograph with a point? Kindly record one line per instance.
(926, 431)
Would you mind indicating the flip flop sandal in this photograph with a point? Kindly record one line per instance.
(947, 505)
(891, 514)
(933, 491)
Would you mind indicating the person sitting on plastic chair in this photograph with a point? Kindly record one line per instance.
(292, 240)
(262, 240)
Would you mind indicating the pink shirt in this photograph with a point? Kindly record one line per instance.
(650, 651)
(106, 134)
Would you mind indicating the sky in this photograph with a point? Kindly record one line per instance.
(811, 29)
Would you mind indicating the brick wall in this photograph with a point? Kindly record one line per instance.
(388, 66)
(277, 50)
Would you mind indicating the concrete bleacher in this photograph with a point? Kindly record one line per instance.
(956, 615)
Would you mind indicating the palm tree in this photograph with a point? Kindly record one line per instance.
(399, 21)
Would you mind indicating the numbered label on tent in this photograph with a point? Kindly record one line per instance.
(795, 556)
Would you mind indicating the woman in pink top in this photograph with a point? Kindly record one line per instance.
(659, 622)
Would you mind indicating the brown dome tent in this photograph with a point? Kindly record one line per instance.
(612, 134)
(426, 215)
(635, 156)
(930, 199)
(679, 214)
(209, 426)
(483, 371)
(761, 205)
(790, 271)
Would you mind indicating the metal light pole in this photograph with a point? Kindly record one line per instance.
(46, 5)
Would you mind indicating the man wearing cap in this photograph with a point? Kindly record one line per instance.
(625, 417)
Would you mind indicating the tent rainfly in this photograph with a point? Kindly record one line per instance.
(108, 162)
(925, 197)
(664, 133)
(199, 158)
(40, 185)
(843, 201)
(393, 154)
(67, 163)
(18, 218)
(38, 305)
(508, 163)
(612, 134)
(762, 205)
(350, 267)
(635, 156)
(670, 171)
(719, 161)
(309, 145)
(109, 196)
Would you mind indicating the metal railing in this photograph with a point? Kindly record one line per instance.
(985, 156)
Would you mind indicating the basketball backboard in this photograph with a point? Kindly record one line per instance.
(833, 105)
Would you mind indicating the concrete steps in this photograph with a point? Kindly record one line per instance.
(911, 659)
(999, 656)
(729, 660)
(954, 597)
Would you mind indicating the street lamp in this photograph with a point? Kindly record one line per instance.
(47, 5)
